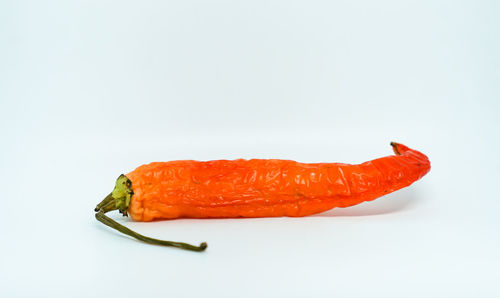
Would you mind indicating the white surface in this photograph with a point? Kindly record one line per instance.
(92, 89)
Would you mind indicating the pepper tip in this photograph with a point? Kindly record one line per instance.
(395, 148)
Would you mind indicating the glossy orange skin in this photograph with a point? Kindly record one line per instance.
(266, 187)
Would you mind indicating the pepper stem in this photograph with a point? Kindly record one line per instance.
(119, 199)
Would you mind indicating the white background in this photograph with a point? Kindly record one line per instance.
(93, 89)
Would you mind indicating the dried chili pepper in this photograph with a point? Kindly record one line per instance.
(253, 188)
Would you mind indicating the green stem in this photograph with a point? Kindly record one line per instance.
(106, 200)
(119, 199)
(100, 216)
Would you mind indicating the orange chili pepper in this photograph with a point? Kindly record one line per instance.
(254, 188)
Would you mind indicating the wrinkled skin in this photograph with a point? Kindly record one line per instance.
(266, 187)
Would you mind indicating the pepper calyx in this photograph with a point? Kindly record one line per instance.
(122, 193)
(119, 198)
